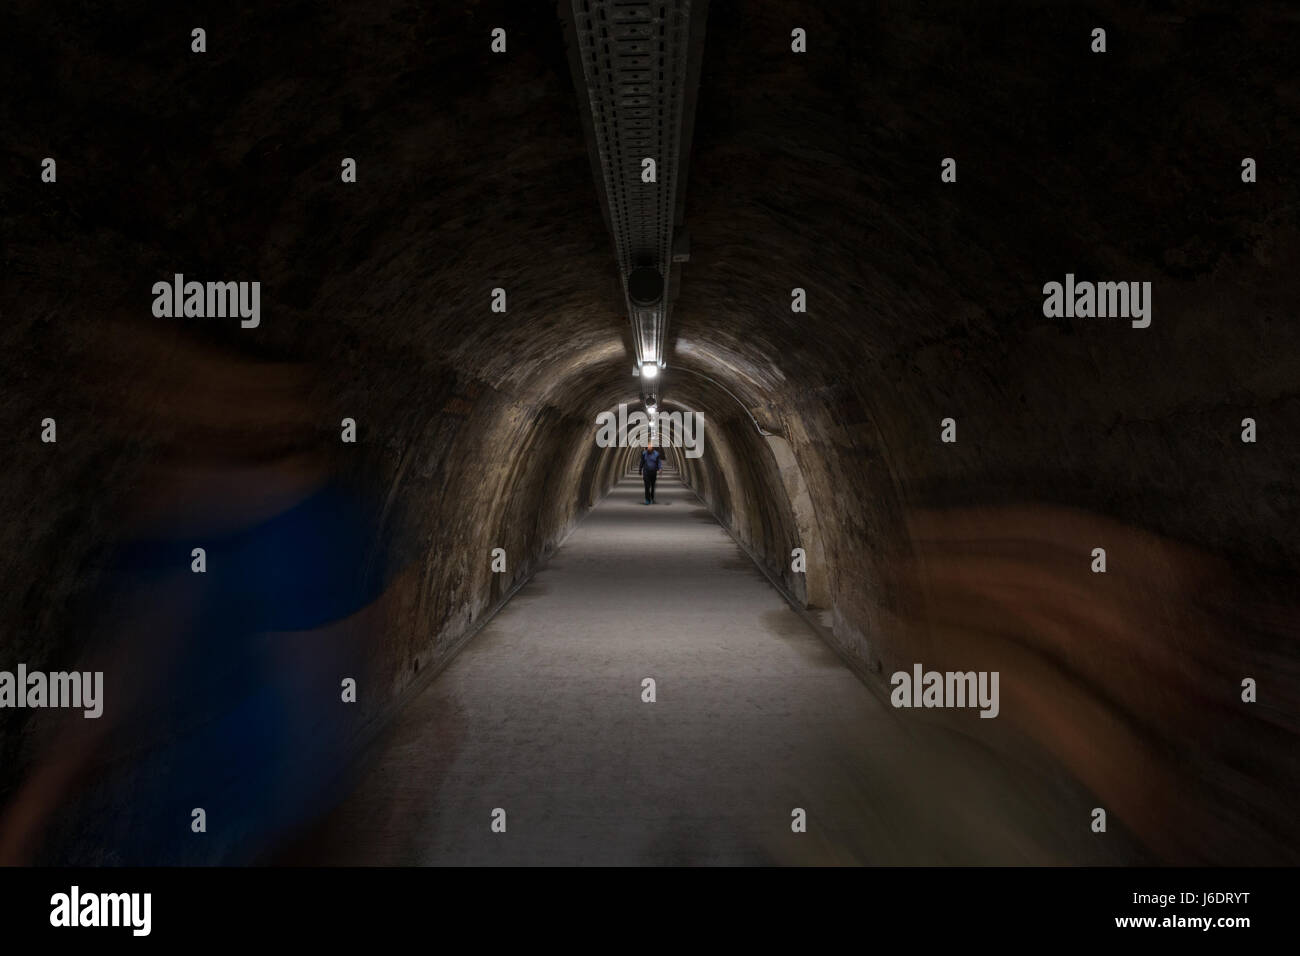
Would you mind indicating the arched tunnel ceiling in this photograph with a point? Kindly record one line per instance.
(397, 273)
(889, 262)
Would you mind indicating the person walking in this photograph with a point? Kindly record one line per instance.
(651, 461)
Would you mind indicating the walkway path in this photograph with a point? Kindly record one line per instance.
(542, 715)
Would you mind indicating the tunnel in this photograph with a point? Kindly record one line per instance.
(906, 463)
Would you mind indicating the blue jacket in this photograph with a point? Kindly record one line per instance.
(651, 461)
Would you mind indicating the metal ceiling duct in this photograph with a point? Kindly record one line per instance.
(637, 65)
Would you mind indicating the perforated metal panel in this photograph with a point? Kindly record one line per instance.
(634, 57)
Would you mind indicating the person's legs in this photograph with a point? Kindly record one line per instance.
(653, 475)
(648, 478)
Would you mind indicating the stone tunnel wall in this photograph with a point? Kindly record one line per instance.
(474, 428)
(925, 302)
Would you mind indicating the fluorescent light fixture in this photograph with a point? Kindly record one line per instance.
(649, 370)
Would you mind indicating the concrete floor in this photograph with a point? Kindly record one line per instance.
(541, 715)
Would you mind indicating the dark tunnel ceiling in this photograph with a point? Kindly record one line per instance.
(411, 280)
(818, 171)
